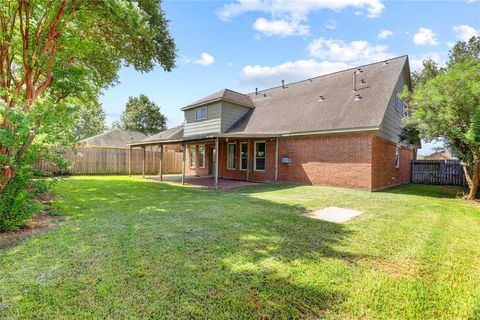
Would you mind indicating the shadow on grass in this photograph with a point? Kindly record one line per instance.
(200, 253)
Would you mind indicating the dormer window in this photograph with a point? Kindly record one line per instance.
(201, 114)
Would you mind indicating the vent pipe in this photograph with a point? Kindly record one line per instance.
(283, 84)
(256, 91)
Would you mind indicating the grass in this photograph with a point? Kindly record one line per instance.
(132, 248)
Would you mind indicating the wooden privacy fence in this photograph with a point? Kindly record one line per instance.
(95, 160)
(448, 172)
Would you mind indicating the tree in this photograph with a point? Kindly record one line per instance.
(448, 107)
(53, 52)
(89, 120)
(465, 50)
(142, 115)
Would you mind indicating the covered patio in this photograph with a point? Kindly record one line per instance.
(209, 182)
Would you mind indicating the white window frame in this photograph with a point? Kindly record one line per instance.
(234, 156)
(202, 118)
(397, 157)
(201, 155)
(243, 144)
(255, 155)
(193, 149)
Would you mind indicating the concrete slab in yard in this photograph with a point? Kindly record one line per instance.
(334, 214)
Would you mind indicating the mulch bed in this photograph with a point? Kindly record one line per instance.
(40, 223)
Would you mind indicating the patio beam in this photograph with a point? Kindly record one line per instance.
(184, 148)
(143, 161)
(216, 164)
(130, 161)
(160, 170)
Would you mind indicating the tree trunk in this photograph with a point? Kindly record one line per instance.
(472, 179)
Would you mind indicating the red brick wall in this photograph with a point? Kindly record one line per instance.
(267, 175)
(197, 171)
(360, 160)
(336, 160)
(384, 171)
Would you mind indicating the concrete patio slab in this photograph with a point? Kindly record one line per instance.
(334, 214)
(206, 182)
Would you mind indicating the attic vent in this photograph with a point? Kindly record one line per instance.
(321, 99)
(358, 97)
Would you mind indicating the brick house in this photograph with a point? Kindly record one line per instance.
(340, 129)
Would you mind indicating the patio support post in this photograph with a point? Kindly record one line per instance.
(143, 162)
(160, 170)
(184, 149)
(216, 164)
(276, 160)
(130, 162)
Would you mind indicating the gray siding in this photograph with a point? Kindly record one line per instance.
(231, 113)
(210, 125)
(392, 121)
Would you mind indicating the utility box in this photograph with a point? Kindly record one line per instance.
(286, 160)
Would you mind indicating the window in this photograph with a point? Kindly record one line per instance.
(193, 156)
(397, 157)
(232, 150)
(243, 156)
(201, 157)
(398, 103)
(201, 114)
(259, 156)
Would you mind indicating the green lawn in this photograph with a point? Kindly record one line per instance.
(132, 248)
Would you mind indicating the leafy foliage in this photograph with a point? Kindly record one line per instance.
(89, 120)
(448, 107)
(54, 54)
(142, 115)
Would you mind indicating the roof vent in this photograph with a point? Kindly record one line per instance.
(264, 94)
(363, 81)
(321, 99)
(359, 71)
(256, 91)
(358, 97)
(310, 80)
(385, 63)
(283, 84)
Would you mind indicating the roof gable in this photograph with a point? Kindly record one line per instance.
(225, 95)
(298, 107)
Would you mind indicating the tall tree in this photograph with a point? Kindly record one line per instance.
(89, 120)
(142, 115)
(448, 107)
(54, 50)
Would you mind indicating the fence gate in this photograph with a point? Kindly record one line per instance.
(448, 172)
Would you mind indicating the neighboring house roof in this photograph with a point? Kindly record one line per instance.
(440, 155)
(169, 134)
(114, 138)
(223, 95)
(298, 107)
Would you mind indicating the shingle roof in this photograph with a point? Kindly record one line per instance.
(169, 134)
(224, 95)
(114, 138)
(297, 107)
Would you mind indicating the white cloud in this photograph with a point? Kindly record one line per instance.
(331, 24)
(417, 64)
(465, 32)
(289, 71)
(339, 50)
(204, 60)
(290, 16)
(281, 27)
(384, 34)
(424, 37)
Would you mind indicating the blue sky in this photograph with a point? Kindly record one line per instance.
(242, 45)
